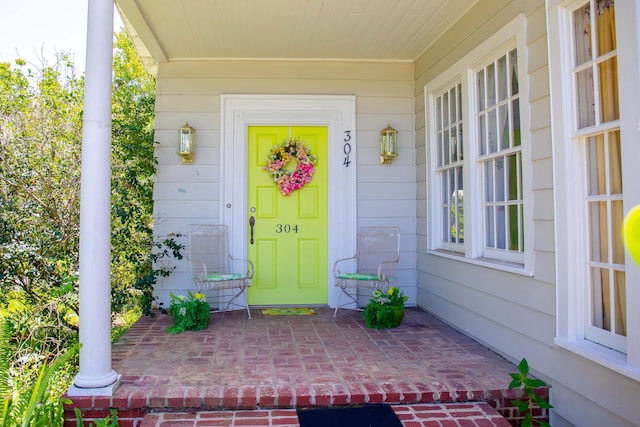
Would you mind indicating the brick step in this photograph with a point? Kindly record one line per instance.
(420, 415)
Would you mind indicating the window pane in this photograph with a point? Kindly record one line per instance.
(453, 110)
(581, 35)
(500, 181)
(514, 176)
(439, 113)
(482, 135)
(615, 162)
(445, 187)
(446, 224)
(609, 105)
(446, 143)
(605, 28)
(481, 91)
(445, 110)
(500, 228)
(488, 180)
(617, 217)
(515, 114)
(502, 78)
(596, 172)
(493, 131)
(584, 89)
(513, 65)
(439, 148)
(459, 103)
(491, 85)
(514, 224)
(489, 226)
(599, 295)
(460, 144)
(454, 145)
(599, 231)
(620, 303)
(460, 224)
(503, 123)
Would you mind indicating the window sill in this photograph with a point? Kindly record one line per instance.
(506, 266)
(601, 355)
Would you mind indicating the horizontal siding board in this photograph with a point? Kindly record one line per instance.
(186, 209)
(203, 156)
(537, 55)
(542, 174)
(324, 70)
(539, 85)
(385, 173)
(188, 103)
(174, 120)
(215, 86)
(184, 191)
(545, 237)
(385, 191)
(541, 147)
(205, 138)
(394, 209)
(379, 105)
(187, 173)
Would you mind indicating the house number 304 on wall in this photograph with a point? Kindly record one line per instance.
(286, 228)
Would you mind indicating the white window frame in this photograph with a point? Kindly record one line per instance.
(511, 36)
(570, 186)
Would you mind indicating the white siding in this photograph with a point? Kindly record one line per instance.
(515, 314)
(190, 91)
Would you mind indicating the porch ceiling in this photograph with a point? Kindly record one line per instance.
(397, 30)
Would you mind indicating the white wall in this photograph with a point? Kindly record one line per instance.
(515, 314)
(190, 91)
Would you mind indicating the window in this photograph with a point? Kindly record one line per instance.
(449, 159)
(500, 157)
(595, 72)
(477, 192)
(594, 148)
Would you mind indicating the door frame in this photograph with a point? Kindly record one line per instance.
(337, 112)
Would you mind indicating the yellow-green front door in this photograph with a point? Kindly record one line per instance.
(289, 248)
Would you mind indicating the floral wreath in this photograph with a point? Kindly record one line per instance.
(280, 157)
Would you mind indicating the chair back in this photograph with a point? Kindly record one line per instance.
(208, 250)
(378, 245)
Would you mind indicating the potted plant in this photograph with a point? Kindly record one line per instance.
(190, 313)
(385, 310)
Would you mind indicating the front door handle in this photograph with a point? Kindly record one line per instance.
(252, 222)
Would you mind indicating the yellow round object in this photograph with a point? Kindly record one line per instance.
(631, 233)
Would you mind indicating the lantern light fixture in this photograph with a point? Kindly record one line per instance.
(388, 144)
(186, 143)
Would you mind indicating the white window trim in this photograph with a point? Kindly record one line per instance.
(570, 311)
(463, 71)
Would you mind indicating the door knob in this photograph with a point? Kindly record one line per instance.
(252, 222)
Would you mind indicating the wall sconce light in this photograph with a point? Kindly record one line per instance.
(388, 144)
(186, 142)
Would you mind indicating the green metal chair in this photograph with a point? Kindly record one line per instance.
(211, 266)
(376, 263)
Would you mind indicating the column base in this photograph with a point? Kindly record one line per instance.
(108, 390)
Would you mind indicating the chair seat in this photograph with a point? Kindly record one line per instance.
(221, 277)
(358, 276)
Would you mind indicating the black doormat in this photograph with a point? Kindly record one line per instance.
(362, 416)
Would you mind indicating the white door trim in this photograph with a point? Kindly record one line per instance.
(337, 112)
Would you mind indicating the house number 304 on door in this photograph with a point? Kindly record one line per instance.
(286, 228)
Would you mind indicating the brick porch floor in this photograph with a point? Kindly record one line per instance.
(298, 361)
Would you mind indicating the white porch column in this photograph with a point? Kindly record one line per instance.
(96, 376)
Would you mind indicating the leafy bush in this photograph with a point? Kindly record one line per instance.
(190, 313)
(379, 312)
